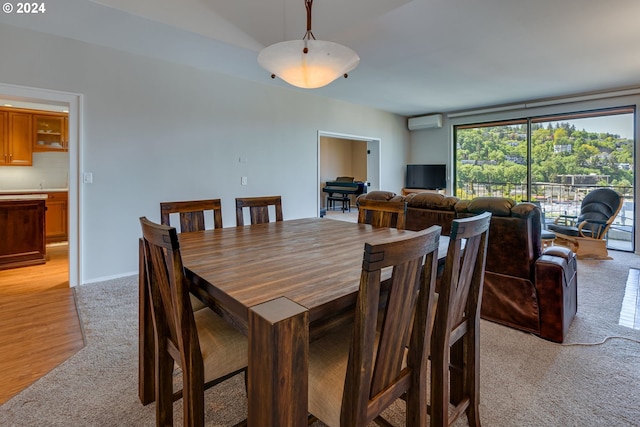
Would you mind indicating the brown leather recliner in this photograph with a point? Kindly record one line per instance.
(427, 209)
(524, 288)
(423, 209)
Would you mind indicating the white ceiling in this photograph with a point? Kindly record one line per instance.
(417, 57)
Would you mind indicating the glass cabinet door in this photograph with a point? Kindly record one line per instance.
(50, 133)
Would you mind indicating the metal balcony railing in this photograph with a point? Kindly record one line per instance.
(559, 199)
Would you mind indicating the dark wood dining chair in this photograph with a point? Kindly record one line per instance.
(455, 342)
(356, 371)
(380, 213)
(192, 218)
(192, 213)
(258, 209)
(207, 349)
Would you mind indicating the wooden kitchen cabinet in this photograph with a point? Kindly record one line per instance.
(15, 137)
(55, 212)
(56, 217)
(22, 237)
(50, 132)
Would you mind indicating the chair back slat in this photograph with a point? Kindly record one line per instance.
(395, 325)
(172, 314)
(463, 267)
(191, 221)
(381, 213)
(192, 213)
(178, 331)
(457, 323)
(258, 209)
(259, 214)
(381, 367)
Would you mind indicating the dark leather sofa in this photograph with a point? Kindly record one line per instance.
(525, 288)
(427, 209)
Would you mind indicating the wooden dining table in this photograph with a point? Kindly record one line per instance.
(277, 282)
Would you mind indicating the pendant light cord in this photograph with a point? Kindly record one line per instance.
(309, 34)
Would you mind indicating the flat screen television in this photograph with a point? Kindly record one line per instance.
(427, 177)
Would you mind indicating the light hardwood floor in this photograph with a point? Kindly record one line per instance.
(39, 326)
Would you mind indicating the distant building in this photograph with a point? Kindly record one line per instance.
(515, 159)
(592, 179)
(562, 148)
(478, 162)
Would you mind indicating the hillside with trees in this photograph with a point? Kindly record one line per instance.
(560, 153)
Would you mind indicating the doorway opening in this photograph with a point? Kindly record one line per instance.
(49, 284)
(341, 155)
(48, 100)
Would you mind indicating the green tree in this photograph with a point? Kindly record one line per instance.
(557, 148)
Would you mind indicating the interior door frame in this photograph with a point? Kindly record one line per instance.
(374, 164)
(74, 103)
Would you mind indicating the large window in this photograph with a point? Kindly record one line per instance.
(554, 160)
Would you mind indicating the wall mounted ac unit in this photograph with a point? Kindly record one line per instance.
(425, 122)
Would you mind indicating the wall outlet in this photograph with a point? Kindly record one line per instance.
(243, 180)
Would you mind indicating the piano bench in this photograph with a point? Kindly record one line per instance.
(346, 202)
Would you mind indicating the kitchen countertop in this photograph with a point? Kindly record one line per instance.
(24, 197)
(34, 190)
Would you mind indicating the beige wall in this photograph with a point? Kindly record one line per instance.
(342, 157)
(153, 131)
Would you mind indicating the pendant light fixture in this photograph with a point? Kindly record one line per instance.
(308, 63)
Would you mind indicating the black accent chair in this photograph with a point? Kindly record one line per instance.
(585, 234)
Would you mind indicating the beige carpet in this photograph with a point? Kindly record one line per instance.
(525, 381)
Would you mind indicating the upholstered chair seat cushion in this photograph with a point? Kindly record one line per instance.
(565, 229)
(328, 357)
(588, 228)
(196, 304)
(224, 348)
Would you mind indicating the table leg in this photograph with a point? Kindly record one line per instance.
(146, 343)
(278, 364)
